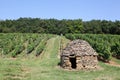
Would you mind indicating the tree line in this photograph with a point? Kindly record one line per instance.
(54, 26)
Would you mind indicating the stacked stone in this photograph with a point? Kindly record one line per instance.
(85, 55)
(79, 47)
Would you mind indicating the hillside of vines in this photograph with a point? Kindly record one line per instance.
(107, 46)
(13, 44)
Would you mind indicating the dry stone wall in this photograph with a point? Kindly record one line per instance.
(84, 55)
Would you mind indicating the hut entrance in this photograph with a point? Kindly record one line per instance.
(73, 62)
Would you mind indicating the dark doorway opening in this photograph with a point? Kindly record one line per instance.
(73, 62)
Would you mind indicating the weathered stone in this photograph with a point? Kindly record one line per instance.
(78, 58)
(79, 55)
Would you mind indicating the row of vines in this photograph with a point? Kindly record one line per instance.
(16, 43)
(106, 46)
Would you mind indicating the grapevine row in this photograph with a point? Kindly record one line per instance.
(13, 43)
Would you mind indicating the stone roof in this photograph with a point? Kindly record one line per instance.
(78, 48)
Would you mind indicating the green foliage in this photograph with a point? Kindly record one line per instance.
(13, 44)
(30, 48)
(18, 49)
(116, 50)
(54, 26)
(40, 47)
(106, 53)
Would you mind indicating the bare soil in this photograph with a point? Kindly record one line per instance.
(113, 63)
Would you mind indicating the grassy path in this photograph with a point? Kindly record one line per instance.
(47, 62)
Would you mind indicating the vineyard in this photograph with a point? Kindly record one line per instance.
(13, 44)
(106, 46)
(37, 57)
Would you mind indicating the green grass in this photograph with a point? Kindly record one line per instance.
(11, 69)
(45, 67)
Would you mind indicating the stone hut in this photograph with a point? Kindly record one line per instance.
(79, 55)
